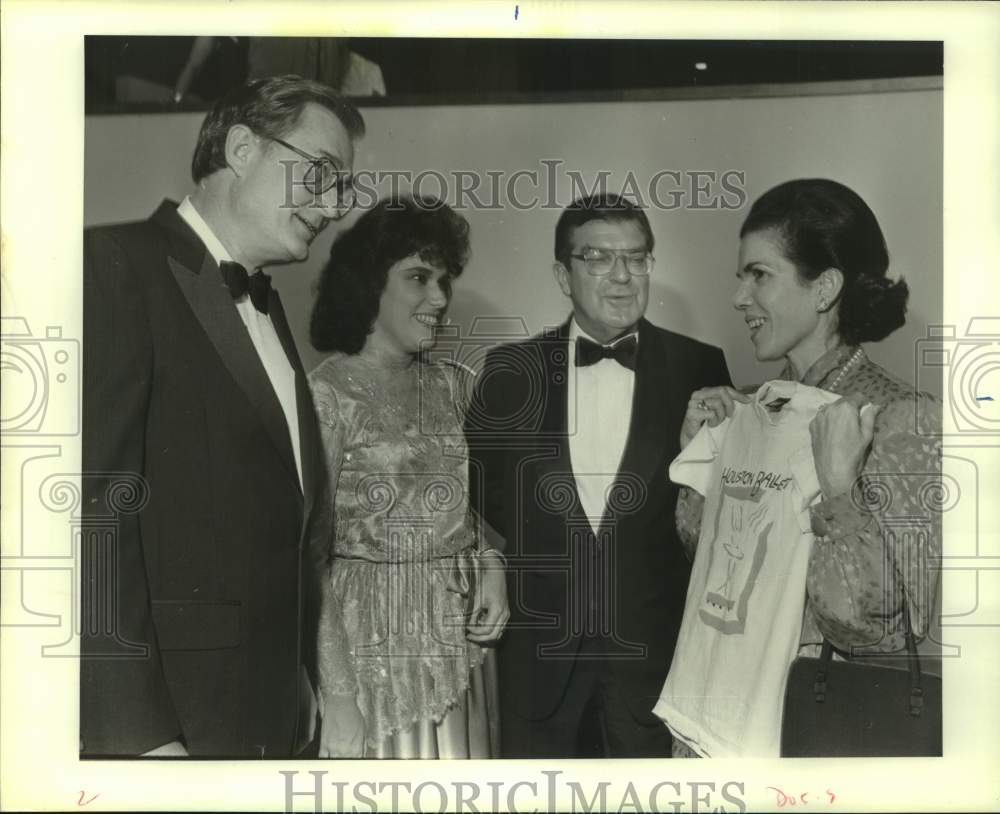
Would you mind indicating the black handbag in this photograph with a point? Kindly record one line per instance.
(852, 709)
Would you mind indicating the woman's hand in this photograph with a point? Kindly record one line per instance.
(841, 434)
(711, 404)
(490, 611)
(342, 730)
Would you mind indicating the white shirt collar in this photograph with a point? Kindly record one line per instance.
(193, 218)
(575, 331)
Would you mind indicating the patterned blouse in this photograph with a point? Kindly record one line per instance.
(401, 542)
(878, 542)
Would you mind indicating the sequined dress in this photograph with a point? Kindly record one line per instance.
(402, 542)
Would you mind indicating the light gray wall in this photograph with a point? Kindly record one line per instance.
(887, 146)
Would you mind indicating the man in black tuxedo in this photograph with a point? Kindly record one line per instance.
(570, 434)
(200, 447)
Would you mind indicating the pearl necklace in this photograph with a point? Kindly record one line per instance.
(855, 358)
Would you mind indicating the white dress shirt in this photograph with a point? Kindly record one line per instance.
(265, 340)
(599, 412)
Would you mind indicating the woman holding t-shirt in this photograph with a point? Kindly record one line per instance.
(812, 287)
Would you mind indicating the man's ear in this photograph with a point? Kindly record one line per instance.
(562, 277)
(241, 145)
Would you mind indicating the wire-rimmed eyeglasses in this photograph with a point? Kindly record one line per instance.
(323, 175)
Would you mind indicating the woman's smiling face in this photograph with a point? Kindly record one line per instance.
(414, 301)
(780, 308)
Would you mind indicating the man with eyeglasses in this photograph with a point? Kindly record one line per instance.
(201, 464)
(570, 436)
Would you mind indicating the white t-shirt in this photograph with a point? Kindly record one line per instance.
(743, 614)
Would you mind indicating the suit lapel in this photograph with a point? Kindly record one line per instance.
(309, 442)
(650, 422)
(555, 418)
(553, 347)
(199, 280)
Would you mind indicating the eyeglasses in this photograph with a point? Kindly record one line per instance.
(323, 175)
(599, 262)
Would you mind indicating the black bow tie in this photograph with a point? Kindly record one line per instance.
(623, 351)
(258, 285)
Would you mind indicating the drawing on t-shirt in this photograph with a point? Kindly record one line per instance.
(739, 546)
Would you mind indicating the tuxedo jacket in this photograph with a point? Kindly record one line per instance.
(194, 572)
(624, 584)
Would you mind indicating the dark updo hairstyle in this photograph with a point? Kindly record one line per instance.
(822, 225)
(351, 284)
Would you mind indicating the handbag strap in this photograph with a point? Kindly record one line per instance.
(913, 663)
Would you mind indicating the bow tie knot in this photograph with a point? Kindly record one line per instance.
(258, 285)
(623, 351)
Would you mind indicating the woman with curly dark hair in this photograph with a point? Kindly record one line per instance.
(412, 592)
(782, 491)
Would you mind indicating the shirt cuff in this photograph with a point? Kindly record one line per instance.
(838, 517)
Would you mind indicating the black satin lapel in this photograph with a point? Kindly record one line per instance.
(308, 432)
(185, 246)
(213, 306)
(555, 421)
(652, 421)
(555, 356)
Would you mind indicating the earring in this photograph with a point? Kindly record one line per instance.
(822, 305)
